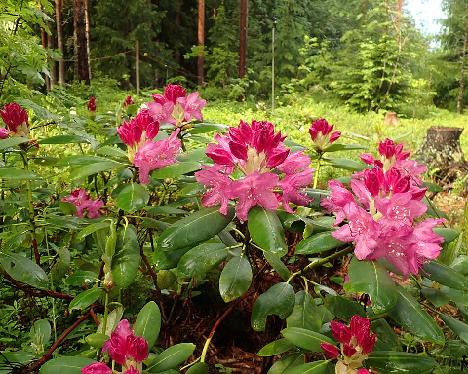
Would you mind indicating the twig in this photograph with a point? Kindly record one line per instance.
(36, 291)
(37, 364)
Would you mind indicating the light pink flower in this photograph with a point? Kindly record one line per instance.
(15, 119)
(427, 244)
(339, 197)
(292, 185)
(192, 104)
(96, 368)
(400, 208)
(322, 134)
(4, 133)
(218, 187)
(255, 189)
(156, 155)
(124, 347)
(162, 113)
(294, 163)
(92, 104)
(85, 206)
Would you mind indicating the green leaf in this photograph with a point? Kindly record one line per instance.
(132, 197)
(96, 340)
(85, 299)
(306, 339)
(81, 277)
(275, 262)
(126, 260)
(318, 243)
(343, 147)
(176, 170)
(276, 347)
(370, 278)
(291, 361)
(92, 228)
(305, 314)
(343, 308)
(400, 362)
(164, 260)
(435, 296)
(200, 128)
(449, 235)
(316, 367)
(235, 279)
(16, 173)
(80, 172)
(408, 313)
(388, 340)
(278, 300)
(194, 229)
(438, 272)
(198, 368)
(458, 327)
(343, 163)
(41, 331)
(201, 259)
(63, 139)
(11, 142)
(267, 231)
(172, 357)
(65, 364)
(23, 270)
(148, 323)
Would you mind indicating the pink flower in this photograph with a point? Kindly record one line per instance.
(128, 101)
(4, 133)
(400, 208)
(162, 113)
(339, 197)
(218, 187)
(389, 149)
(294, 163)
(16, 119)
(171, 93)
(330, 350)
(292, 185)
(357, 337)
(255, 189)
(84, 205)
(124, 347)
(156, 155)
(322, 134)
(192, 104)
(363, 371)
(92, 104)
(96, 368)
(140, 128)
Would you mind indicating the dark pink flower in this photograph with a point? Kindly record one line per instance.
(171, 93)
(4, 133)
(92, 104)
(85, 206)
(156, 155)
(322, 134)
(128, 101)
(357, 337)
(123, 346)
(255, 189)
(389, 149)
(15, 119)
(330, 350)
(96, 368)
(363, 371)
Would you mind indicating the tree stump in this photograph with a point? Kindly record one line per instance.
(391, 119)
(442, 153)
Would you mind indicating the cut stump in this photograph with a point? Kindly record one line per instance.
(391, 118)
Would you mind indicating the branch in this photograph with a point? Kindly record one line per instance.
(36, 291)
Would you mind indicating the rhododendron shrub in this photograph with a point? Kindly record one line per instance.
(146, 216)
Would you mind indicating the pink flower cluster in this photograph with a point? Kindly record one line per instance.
(254, 167)
(356, 342)
(322, 134)
(382, 209)
(146, 154)
(92, 104)
(125, 348)
(128, 101)
(85, 206)
(15, 119)
(175, 106)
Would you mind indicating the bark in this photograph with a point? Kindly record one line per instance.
(81, 44)
(399, 11)
(461, 86)
(391, 119)
(53, 66)
(201, 41)
(58, 21)
(244, 9)
(86, 10)
(44, 45)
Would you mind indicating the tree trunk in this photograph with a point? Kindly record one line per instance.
(442, 153)
(399, 11)
(86, 10)
(81, 44)
(244, 9)
(58, 21)
(201, 41)
(461, 87)
(44, 45)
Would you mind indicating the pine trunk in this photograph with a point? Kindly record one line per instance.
(244, 9)
(81, 44)
(461, 87)
(201, 42)
(58, 21)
